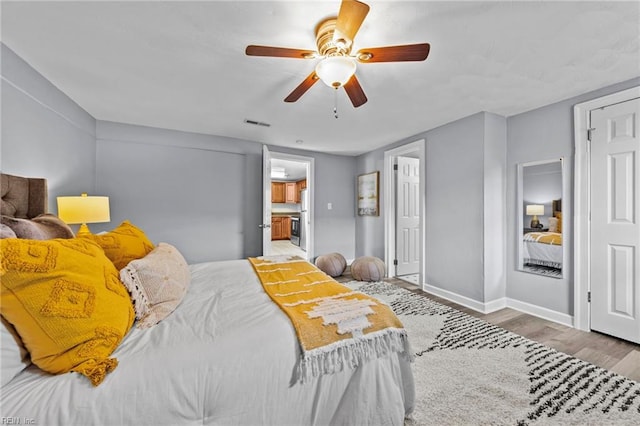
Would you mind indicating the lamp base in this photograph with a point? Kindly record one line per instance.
(535, 223)
(84, 229)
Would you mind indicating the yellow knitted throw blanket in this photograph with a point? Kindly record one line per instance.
(336, 326)
(552, 238)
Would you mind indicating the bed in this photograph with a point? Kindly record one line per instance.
(544, 248)
(226, 355)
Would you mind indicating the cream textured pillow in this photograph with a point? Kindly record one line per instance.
(157, 283)
(553, 224)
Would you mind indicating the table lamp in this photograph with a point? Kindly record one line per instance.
(535, 210)
(83, 209)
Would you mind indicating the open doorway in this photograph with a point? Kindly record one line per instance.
(405, 211)
(291, 205)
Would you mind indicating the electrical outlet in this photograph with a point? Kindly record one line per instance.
(329, 206)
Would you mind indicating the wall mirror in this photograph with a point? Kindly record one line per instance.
(540, 198)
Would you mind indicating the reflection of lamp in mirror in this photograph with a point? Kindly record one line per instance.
(84, 209)
(535, 210)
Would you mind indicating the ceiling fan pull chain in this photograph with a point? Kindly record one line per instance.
(335, 103)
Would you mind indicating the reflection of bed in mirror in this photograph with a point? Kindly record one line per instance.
(542, 251)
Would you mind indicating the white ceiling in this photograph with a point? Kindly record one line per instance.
(294, 170)
(181, 65)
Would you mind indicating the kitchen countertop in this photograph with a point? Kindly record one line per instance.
(282, 214)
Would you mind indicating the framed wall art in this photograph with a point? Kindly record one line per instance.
(368, 194)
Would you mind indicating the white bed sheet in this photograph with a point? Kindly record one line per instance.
(224, 357)
(542, 254)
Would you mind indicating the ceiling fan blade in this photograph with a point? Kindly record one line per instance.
(350, 18)
(355, 92)
(407, 52)
(302, 87)
(280, 52)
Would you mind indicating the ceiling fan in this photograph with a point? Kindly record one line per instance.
(334, 39)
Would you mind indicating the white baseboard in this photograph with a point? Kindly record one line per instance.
(482, 307)
(541, 312)
(497, 304)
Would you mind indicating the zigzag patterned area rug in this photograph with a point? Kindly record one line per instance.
(470, 372)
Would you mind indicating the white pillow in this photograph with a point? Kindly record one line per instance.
(553, 224)
(13, 356)
(157, 283)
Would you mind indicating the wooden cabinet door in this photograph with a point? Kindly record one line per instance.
(278, 192)
(300, 185)
(286, 228)
(290, 196)
(276, 228)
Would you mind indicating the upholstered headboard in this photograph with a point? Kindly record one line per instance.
(23, 197)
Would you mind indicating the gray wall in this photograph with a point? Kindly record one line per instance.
(461, 214)
(542, 134)
(458, 155)
(156, 178)
(370, 229)
(494, 192)
(202, 193)
(44, 133)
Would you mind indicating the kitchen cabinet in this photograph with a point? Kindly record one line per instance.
(287, 192)
(286, 228)
(280, 227)
(300, 185)
(276, 228)
(278, 192)
(290, 192)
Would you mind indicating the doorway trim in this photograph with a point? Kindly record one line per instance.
(390, 204)
(582, 185)
(310, 162)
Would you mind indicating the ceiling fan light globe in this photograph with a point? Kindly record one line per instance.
(335, 71)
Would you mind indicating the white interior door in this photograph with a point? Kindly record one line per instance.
(615, 216)
(266, 201)
(408, 216)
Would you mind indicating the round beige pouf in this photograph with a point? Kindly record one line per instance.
(367, 268)
(332, 264)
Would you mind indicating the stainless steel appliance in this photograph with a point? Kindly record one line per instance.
(295, 230)
(304, 219)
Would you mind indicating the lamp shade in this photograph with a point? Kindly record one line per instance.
(535, 209)
(335, 71)
(84, 209)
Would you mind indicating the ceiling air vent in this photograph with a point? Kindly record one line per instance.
(257, 123)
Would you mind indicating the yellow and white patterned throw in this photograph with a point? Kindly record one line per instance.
(336, 326)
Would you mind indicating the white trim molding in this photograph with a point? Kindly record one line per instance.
(311, 172)
(390, 204)
(483, 307)
(504, 302)
(582, 176)
(540, 312)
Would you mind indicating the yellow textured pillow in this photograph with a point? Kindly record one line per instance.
(559, 216)
(123, 244)
(66, 302)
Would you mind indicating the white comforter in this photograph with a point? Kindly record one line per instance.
(224, 357)
(542, 254)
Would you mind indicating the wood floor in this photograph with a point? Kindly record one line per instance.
(613, 354)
